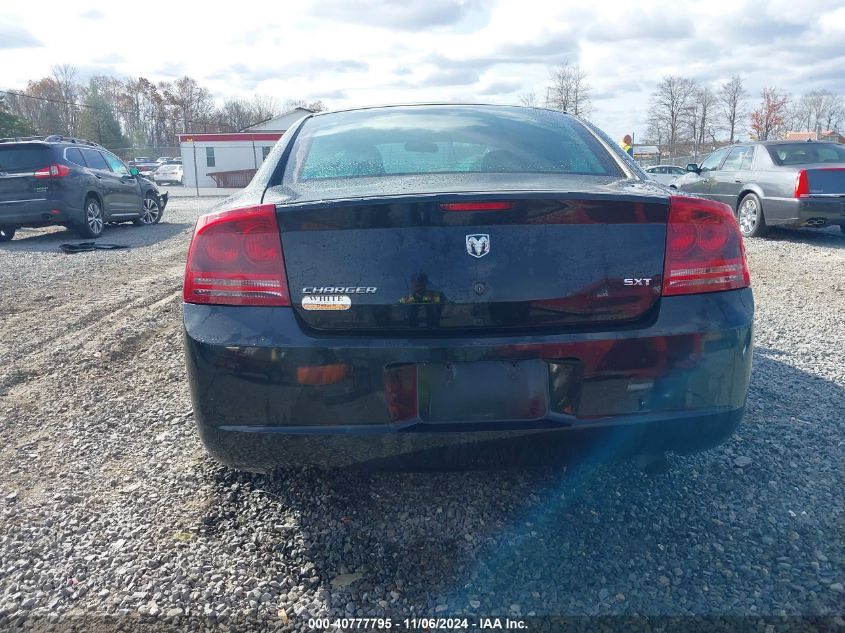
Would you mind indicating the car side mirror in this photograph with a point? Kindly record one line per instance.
(133, 171)
(693, 167)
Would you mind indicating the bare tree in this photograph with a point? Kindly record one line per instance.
(528, 99)
(70, 93)
(237, 114)
(655, 131)
(192, 104)
(568, 90)
(143, 113)
(823, 110)
(264, 107)
(701, 116)
(670, 106)
(706, 102)
(798, 117)
(835, 113)
(731, 101)
(316, 106)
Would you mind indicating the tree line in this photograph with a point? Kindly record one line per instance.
(686, 117)
(567, 90)
(128, 112)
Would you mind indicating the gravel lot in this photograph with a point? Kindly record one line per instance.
(110, 508)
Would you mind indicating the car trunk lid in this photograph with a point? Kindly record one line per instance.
(493, 261)
(18, 163)
(826, 181)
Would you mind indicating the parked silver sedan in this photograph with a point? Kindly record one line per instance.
(770, 183)
(665, 174)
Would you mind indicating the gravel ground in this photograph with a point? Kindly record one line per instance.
(111, 513)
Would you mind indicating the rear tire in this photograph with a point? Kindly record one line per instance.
(752, 222)
(7, 233)
(92, 221)
(151, 212)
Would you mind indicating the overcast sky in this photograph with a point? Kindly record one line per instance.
(359, 52)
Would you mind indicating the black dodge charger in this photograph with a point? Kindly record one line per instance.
(461, 286)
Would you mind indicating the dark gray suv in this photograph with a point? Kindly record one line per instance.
(71, 182)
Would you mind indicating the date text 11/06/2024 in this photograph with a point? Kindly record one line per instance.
(428, 624)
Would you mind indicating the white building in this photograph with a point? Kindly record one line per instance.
(231, 159)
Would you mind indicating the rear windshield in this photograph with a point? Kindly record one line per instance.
(23, 157)
(445, 139)
(807, 153)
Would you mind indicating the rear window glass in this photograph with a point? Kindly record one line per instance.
(445, 139)
(23, 157)
(807, 153)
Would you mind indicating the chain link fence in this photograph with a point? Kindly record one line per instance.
(680, 161)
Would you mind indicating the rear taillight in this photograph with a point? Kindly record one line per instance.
(235, 258)
(802, 185)
(704, 250)
(477, 206)
(53, 171)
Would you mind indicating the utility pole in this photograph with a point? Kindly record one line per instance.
(196, 176)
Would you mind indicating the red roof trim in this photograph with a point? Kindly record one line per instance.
(239, 136)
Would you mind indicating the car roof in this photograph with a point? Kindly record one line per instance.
(438, 104)
(53, 139)
(23, 142)
(785, 142)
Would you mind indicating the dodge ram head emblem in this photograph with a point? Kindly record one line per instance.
(478, 245)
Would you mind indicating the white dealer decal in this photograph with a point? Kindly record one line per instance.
(326, 302)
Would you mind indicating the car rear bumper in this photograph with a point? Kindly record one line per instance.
(803, 211)
(831, 210)
(34, 212)
(677, 383)
(261, 449)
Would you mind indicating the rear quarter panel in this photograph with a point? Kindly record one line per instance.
(775, 188)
